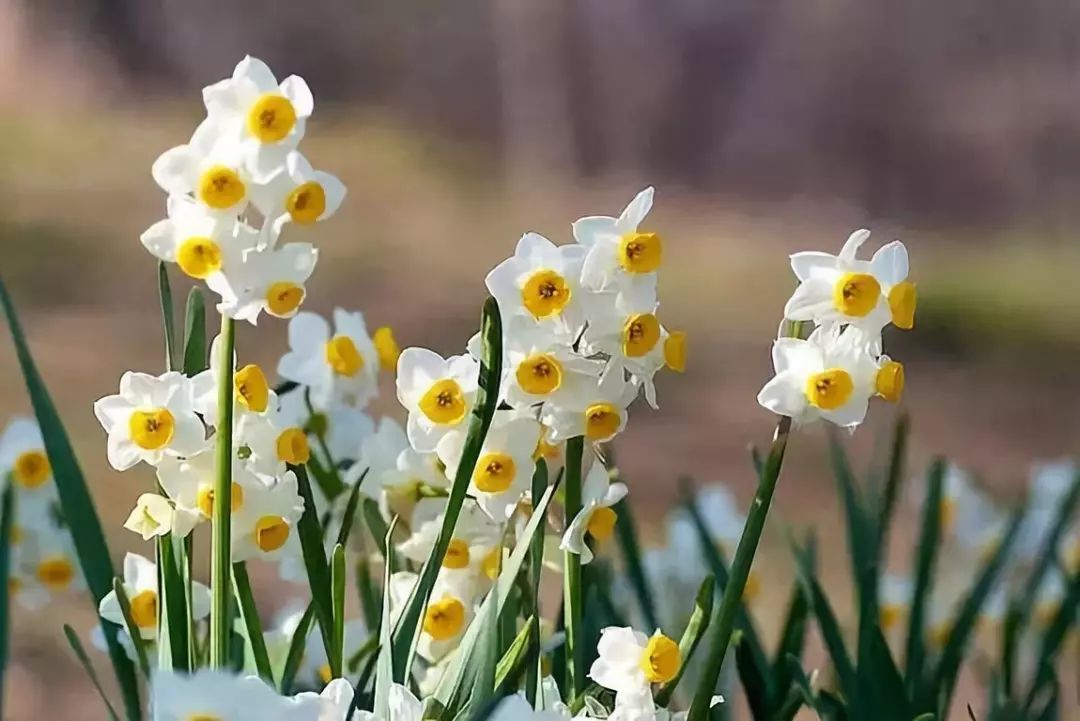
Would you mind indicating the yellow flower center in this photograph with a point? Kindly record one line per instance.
(494, 472)
(545, 293)
(889, 615)
(444, 402)
(271, 118)
(939, 635)
(602, 524)
(252, 389)
(661, 659)
(221, 188)
(856, 294)
(947, 513)
(153, 429)
(539, 374)
(457, 555)
(752, 589)
(203, 717)
(829, 389)
(602, 422)
(491, 563)
(283, 298)
(889, 382)
(444, 619)
(640, 334)
(31, 469)
(343, 357)
(640, 252)
(387, 347)
(306, 203)
(902, 300)
(325, 673)
(545, 450)
(144, 609)
(675, 351)
(199, 257)
(271, 532)
(204, 499)
(292, 446)
(56, 572)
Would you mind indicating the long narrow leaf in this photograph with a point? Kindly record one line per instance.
(926, 560)
(133, 630)
(7, 516)
(295, 656)
(249, 614)
(893, 480)
(384, 674)
(626, 534)
(691, 638)
(195, 333)
(84, 660)
(829, 627)
(348, 518)
(75, 502)
(318, 569)
(173, 623)
(573, 579)
(1055, 636)
(862, 539)
(337, 589)
(513, 662)
(370, 604)
(534, 679)
(168, 322)
(407, 631)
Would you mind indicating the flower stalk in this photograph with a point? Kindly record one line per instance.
(220, 566)
(573, 591)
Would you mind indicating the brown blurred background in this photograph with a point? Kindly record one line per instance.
(767, 126)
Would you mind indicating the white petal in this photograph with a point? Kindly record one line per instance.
(299, 94)
(803, 264)
(635, 212)
(589, 229)
(334, 190)
(812, 300)
(852, 245)
(257, 72)
(308, 332)
(890, 263)
(783, 395)
(174, 170)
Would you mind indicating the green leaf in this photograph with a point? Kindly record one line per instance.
(881, 693)
(7, 516)
(337, 579)
(407, 631)
(173, 607)
(84, 660)
(862, 540)
(626, 534)
(512, 664)
(826, 706)
(534, 679)
(384, 675)
(792, 639)
(1052, 640)
(249, 614)
(573, 584)
(829, 627)
(221, 626)
(483, 655)
(318, 569)
(952, 656)
(348, 518)
(691, 638)
(893, 482)
(926, 560)
(370, 604)
(195, 334)
(168, 324)
(295, 657)
(376, 525)
(132, 628)
(76, 504)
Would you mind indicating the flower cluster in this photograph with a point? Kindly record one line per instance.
(834, 372)
(43, 561)
(242, 163)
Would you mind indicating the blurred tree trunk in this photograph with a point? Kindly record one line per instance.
(536, 118)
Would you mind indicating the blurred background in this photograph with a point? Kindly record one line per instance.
(767, 126)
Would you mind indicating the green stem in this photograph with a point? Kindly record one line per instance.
(220, 566)
(723, 622)
(573, 591)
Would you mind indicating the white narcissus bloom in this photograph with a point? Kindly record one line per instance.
(192, 238)
(190, 482)
(298, 193)
(619, 254)
(541, 281)
(150, 418)
(97, 639)
(333, 703)
(267, 119)
(23, 459)
(894, 600)
(438, 393)
(49, 556)
(596, 518)
(266, 518)
(154, 515)
(831, 375)
(448, 613)
(841, 288)
(476, 536)
(266, 279)
(210, 167)
(338, 367)
(517, 708)
(213, 694)
(251, 389)
(538, 364)
(505, 465)
(402, 706)
(594, 409)
(140, 586)
(630, 662)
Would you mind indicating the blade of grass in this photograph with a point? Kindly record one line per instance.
(893, 481)
(137, 641)
(318, 568)
(1052, 640)
(295, 656)
(723, 622)
(691, 638)
(406, 633)
(84, 660)
(348, 518)
(249, 614)
(384, 673)
(221, 518)
(828, 625)
(76, 504)
(173, 621)
(926, 560)
(337, 579)
(168, 323)
(513, 663)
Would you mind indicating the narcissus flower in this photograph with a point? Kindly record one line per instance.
(448, 613)
(154, 515)
(264, 279)
(826, 376)
(268, 515)
(212, 695)
(475, 535)
(23, 459)
(402, 706)
(597, 410)
(504, 468)
(251, 389)
(298, 193)
(541, 281)
(620, 255)
(140, 586)
(192, 238)
(596, 520)
(267, 119)
(894, 601)
(841, 288)
(539, 365)
(438, 393)
(210, 168)
(341, 365)
(190, 482)
(150, 418)
(629, 661)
